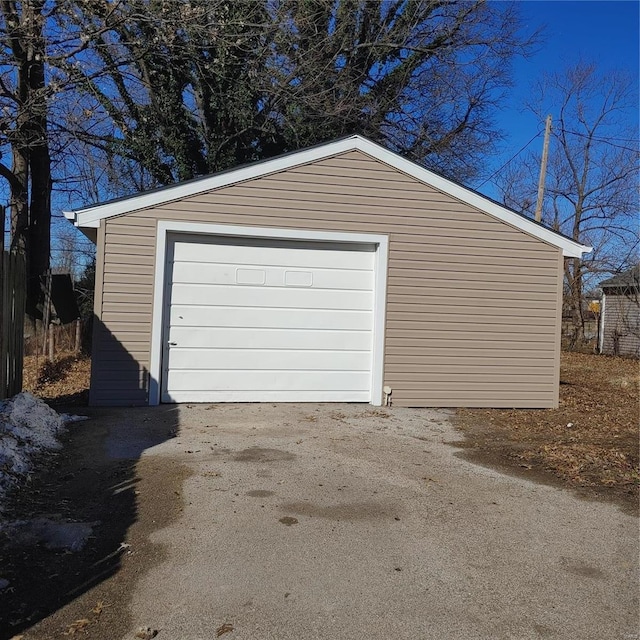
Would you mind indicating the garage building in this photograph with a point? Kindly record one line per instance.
(324, 275)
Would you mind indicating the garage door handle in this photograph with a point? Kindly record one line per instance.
(172, 344)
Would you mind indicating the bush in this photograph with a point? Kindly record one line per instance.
(55, 371)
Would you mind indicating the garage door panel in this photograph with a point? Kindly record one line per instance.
(298, 254)
(293, 276)
(251, 380)
(264, 359)
(253, 296)
(269, 318)
(258, 320)
(235, 338)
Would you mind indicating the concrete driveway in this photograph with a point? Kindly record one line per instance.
(348, 521)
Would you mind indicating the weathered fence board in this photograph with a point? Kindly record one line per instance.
(12, 305)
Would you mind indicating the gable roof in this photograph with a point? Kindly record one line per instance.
(90, 217)
(630, 278)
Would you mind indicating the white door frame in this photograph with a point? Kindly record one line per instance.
(166, 227)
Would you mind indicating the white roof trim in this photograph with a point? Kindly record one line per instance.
(91, 216)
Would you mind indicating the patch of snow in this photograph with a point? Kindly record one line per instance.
(68, 418)
(28, 427)
(30, 420)
(54, 533)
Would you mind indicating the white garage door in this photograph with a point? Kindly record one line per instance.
(267, 320)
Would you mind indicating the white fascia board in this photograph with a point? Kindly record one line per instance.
(90, 217)
(89, 231)
(570, 249)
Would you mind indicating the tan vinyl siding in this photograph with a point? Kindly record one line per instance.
(621, 325)
(472, 302)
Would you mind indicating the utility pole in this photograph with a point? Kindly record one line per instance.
(543, 169)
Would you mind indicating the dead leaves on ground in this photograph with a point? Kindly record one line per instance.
(67, 377)
(99, 608)
(590, 440)
(81, 625)
(224, 628)
(77, 627)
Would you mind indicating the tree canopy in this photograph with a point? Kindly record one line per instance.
(180, 88)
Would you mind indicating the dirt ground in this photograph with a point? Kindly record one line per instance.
(590, 442)
(82, 483)
(65, 382)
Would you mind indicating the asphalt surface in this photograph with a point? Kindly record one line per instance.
(349, 521)
(353, 522)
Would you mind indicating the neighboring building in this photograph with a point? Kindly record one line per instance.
(325, 275)
(620, 319)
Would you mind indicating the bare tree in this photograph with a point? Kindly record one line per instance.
(31, 87)
(188, 87)
(591, 191)
(23, 129)
(70, 250)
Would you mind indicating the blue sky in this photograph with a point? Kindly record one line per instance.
(606, 32)
(597, 31)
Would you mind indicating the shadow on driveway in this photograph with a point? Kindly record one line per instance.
(94, 479)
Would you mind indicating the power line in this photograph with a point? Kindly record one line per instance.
(78, 250)
(517, 153)
(597, 139)
(631, 140)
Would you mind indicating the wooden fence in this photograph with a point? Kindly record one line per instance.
(12, 300)
(59, 339)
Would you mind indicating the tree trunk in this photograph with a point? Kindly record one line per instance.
(31, 195)
(40, 227)
(20, 202)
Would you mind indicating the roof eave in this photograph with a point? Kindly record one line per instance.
(575, 250)
(90, 217)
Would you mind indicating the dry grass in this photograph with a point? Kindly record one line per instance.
(63, 381)
(591, 440)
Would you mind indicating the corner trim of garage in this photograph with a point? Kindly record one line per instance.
(166, 226)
